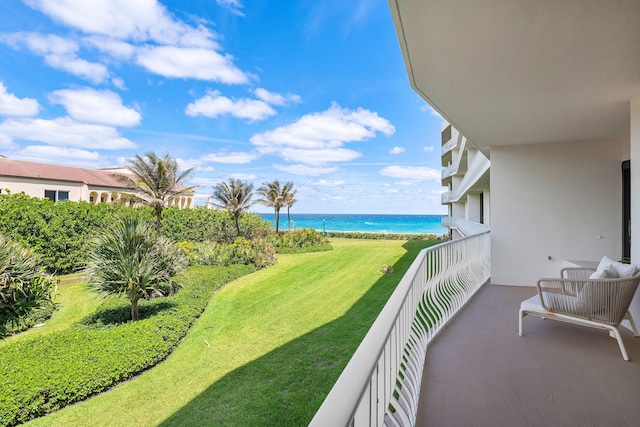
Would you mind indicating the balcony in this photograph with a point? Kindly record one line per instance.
(480, 372)
(464, 227)
(447, 197)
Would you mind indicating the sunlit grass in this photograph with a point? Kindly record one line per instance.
(74, 301)
(267, 349)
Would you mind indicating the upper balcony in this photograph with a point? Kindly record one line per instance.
(465, 227)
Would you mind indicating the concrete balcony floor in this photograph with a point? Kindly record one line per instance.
(480, 372)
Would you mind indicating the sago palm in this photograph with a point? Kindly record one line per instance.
(157, 181)
(234, 197)
(131, 259)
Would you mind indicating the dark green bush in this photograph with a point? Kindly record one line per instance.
(39, 377)
(26, 290)
(61, 231)
(202, 224)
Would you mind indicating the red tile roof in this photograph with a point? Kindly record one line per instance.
(23, 169)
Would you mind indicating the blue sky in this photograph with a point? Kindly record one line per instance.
(311, 91)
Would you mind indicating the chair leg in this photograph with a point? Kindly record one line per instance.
(616, 332)
(522, 314)
(628, 317)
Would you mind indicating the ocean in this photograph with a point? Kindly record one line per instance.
(366, 223)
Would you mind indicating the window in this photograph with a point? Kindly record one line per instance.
(56, 196)
(50, 194)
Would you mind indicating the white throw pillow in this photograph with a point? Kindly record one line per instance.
(606, 273)
(623, 271)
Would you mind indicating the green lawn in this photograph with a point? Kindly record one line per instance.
(74, 300)
(267, 349)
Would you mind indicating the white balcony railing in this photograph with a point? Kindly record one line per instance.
(381, 383)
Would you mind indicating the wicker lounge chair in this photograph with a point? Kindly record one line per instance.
(574, 298)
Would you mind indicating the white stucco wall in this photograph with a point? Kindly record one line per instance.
(36, 187)
(562, 201)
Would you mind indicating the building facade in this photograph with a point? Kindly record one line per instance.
(465, 174)
(60, 183)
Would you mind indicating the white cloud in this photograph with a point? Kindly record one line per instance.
(276, 98)
(119, 83)
(426, 108)
(96, 106)
(419, 173)
(232, 158)
(317, 138)
(184, 164)
(190, 62)
(115, 48)
(397, 150)
(328, 183)
(234, 6)
(65, 132)
(305, 170)
(243, 176)
(139, 20)
(429, 148)
(12, 106)
(59, 155)
(317, 157)
(213, 104)
(59, 53)
(204, 182)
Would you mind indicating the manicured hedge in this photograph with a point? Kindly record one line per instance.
(61, 231)
(385, 236)
(318, 248)
(42, 375)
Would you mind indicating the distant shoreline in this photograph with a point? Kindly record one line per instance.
(363, 223)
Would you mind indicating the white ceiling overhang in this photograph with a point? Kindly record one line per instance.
(521, 71)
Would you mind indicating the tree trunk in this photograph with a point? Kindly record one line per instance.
(237, 218)
(158, 218)
(288, 218)
(277, 219)
(134, 308)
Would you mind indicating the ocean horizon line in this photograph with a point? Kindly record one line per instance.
(363, 223)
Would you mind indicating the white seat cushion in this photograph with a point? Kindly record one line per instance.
(532, 304)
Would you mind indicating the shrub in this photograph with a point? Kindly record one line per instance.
(131, 259)
(306, 249)
(61, 231)
(25, 288)
(301, 238)
(385, 236)
(102, 350)
(202, 225)
(257, 252)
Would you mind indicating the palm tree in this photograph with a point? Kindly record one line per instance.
(270, 192)
(289, 199)
(233, 197)
(131, 259)
(156, 180)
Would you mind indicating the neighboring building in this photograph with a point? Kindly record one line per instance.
(550, 92)
(465, 173)
(59, 183)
